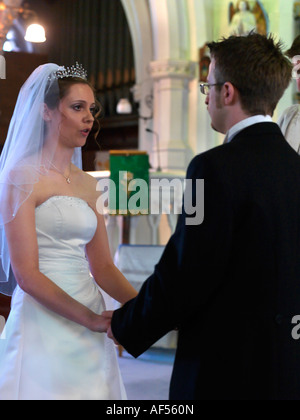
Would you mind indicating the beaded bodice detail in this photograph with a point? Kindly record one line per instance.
(64, 226)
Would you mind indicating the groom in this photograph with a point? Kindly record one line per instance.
(232, 284)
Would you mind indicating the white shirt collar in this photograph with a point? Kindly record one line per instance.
(233, 131)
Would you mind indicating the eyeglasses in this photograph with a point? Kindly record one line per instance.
(205, 87)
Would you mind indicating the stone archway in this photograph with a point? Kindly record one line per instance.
(167, 35)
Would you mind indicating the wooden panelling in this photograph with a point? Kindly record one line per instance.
(96, 34)
(18, 67)
(4, 305)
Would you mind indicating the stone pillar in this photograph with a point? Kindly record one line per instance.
(171, 81)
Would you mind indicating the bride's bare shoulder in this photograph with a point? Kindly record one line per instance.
(87, 186)
(84, 178)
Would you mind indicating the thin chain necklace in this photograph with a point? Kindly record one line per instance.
(67, 178)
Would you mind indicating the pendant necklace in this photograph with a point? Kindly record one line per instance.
(67, 178)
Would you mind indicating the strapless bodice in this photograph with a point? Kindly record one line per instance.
(64, 225)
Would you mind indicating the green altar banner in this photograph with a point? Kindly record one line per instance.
(129, 186)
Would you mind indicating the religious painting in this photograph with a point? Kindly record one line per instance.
(204, 62)
(297, 10)
(244, 18)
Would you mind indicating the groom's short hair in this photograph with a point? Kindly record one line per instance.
(256, 65)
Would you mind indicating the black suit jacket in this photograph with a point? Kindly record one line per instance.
(232, 284)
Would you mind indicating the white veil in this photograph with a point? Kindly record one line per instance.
(22, 161)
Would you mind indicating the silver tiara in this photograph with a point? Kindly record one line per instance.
(73, 71)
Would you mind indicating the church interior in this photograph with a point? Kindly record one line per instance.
(145, 59)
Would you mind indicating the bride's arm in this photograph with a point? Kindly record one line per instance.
(23, 249)
(105, 273)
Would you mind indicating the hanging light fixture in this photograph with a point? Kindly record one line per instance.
(35, 33)
(124, 107)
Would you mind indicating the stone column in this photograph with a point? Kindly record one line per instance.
(171, 80)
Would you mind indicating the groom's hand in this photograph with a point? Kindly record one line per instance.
(108, 315)
(111, 336)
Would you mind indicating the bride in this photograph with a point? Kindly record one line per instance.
(56, 243)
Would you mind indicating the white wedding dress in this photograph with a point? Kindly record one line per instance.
(44, 356)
